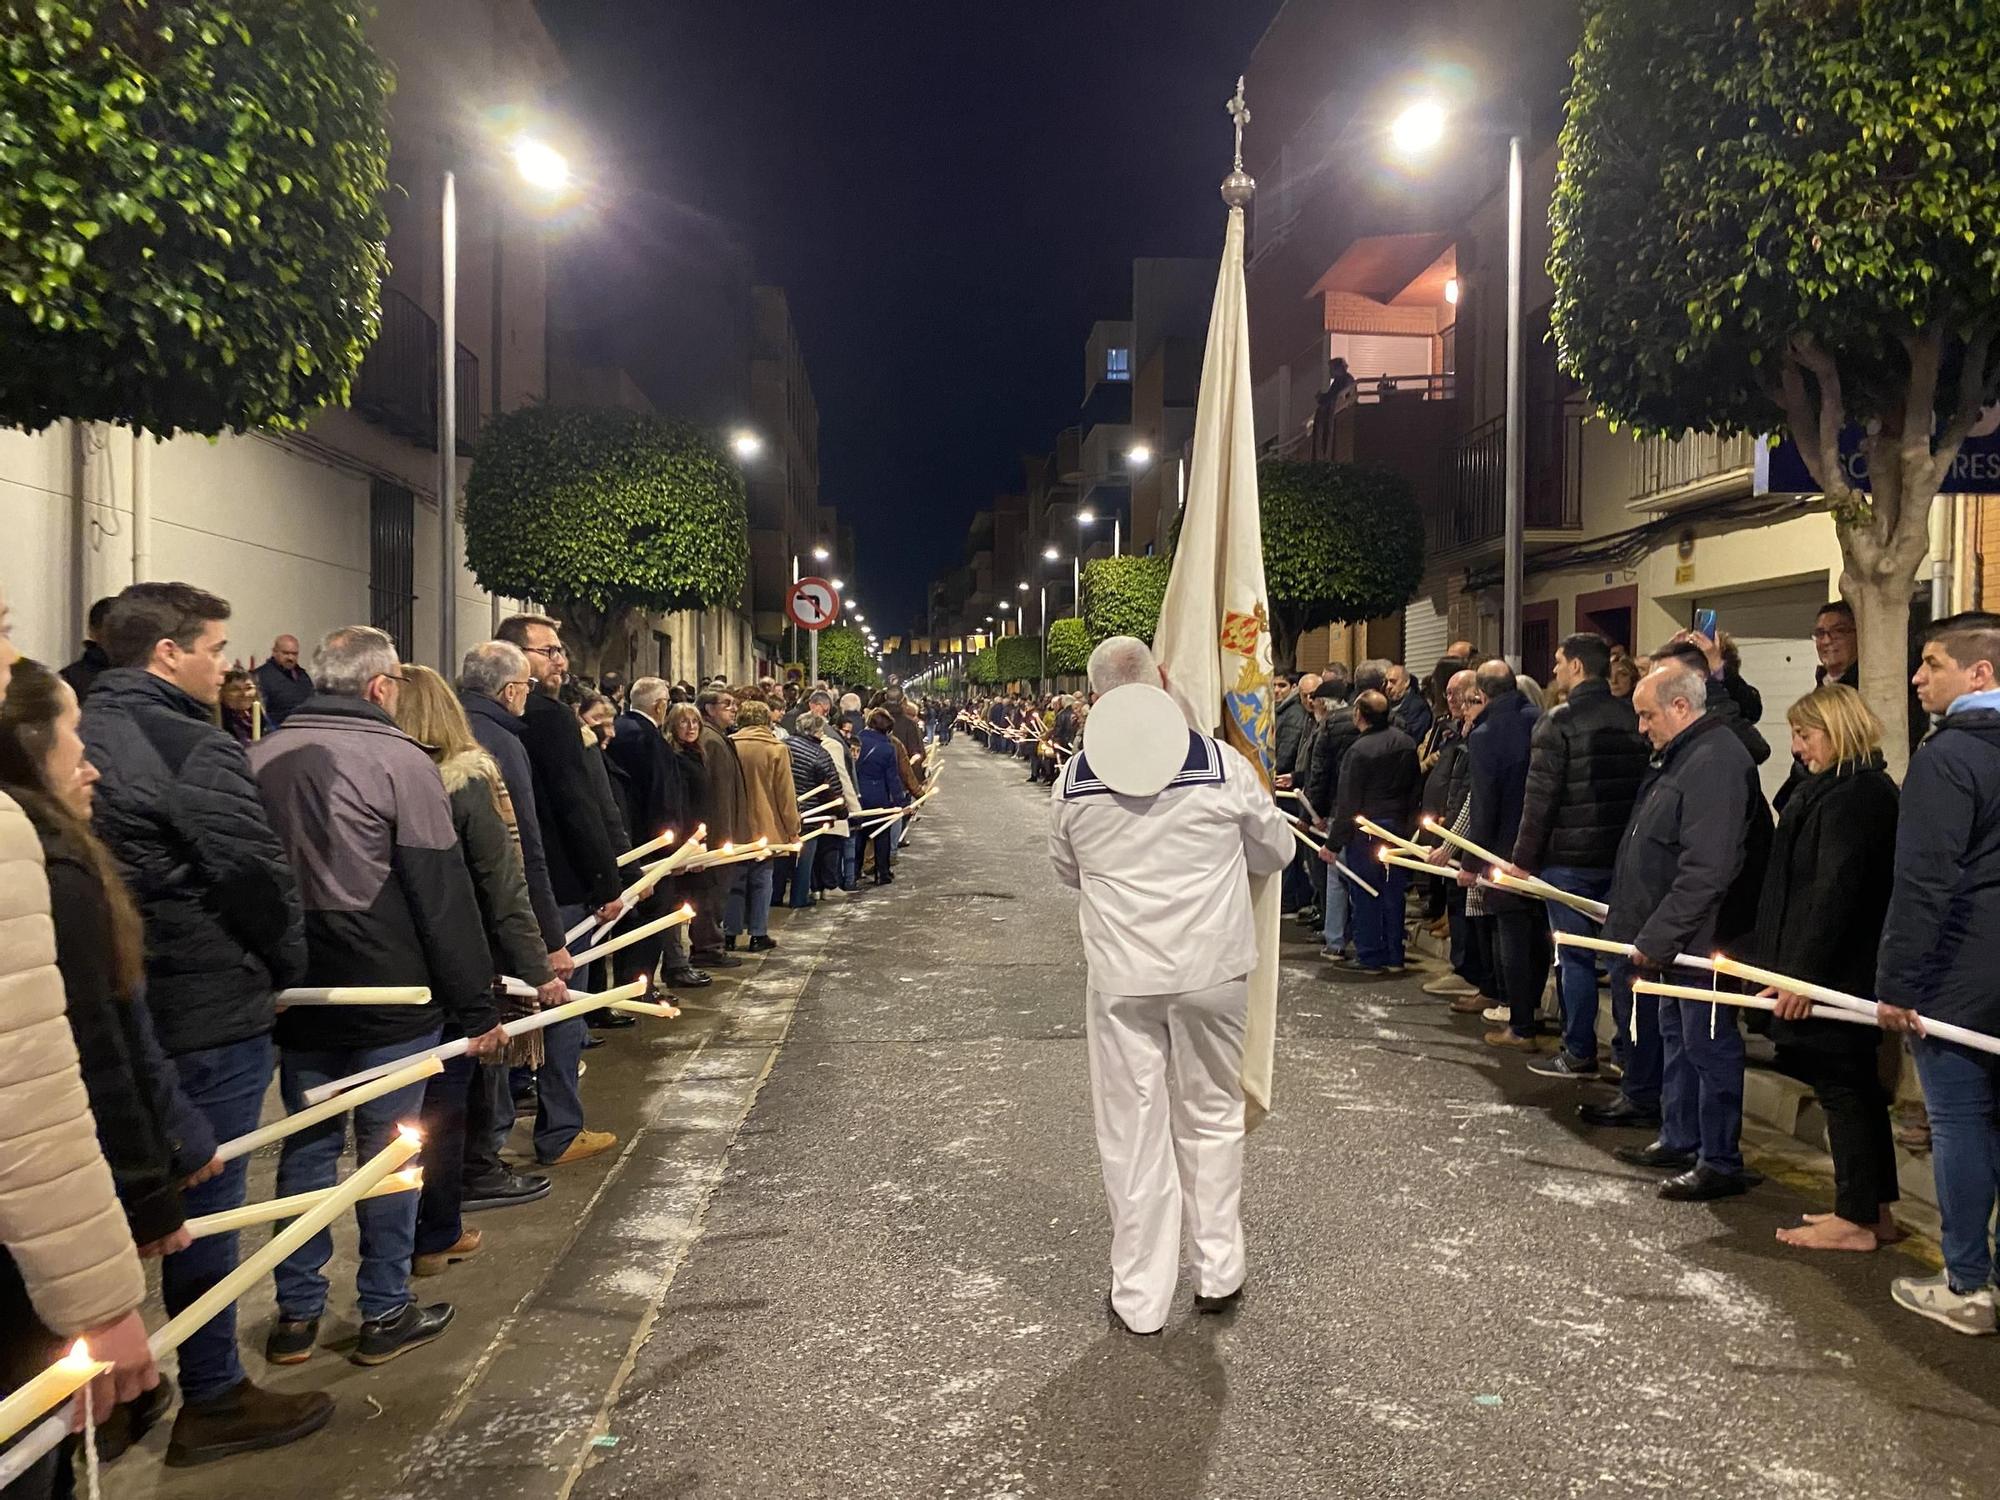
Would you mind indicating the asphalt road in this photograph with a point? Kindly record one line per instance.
(896, 1286)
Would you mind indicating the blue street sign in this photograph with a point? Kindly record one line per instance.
(1976, 471)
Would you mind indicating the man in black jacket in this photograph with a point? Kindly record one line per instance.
(661, 800)
(180, 811)
(583, 873)
(1689, 870)
(388, 901)
(81, 674)
(1446, 788)
(1321, 786)
(1509, 928)
(1585, 764)
(281, 682)
(1937, 958)
(1378, 780)
(1410, 710)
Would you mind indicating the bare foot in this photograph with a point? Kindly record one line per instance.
(1887, 1230)
(1827, 1232)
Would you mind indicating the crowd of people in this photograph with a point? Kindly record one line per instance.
(182, 840)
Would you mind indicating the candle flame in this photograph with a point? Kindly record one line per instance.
(701, 830)
(1381, 851)
(687, 909)
(1430, 823)
(79, 1354)
(410, 1134)
(728, 848)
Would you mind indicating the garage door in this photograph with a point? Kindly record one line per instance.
(1425, 635)
(1773, 632)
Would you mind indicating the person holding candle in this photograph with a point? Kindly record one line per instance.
(1379, 780)
(1937, 957)
(1826, 891)
(1688, 873)
(388, 901)
(1511, 929)
(772, 809)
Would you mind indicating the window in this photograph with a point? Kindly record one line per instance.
(392, 537)
(1117, 364)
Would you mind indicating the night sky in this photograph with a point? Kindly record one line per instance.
(950, 195)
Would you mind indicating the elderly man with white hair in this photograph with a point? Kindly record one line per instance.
(1688, 874)
(1161, 854)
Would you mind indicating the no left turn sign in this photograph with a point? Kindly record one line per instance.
(812, 604)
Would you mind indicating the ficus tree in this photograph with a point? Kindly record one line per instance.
(984, 668)
(1070, 646)
(598, 511)
(1342, 542)
(844, 658)
(1019, 658)
(1122, 596)
(1784, 215)
(192, 234)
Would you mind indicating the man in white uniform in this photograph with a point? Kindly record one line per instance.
(1162, 861)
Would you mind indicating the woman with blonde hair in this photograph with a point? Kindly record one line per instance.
(456, 1116)
(1826, 892)
(772, 807)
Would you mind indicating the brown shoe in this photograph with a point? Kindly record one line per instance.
(586, 1144)
(1468, 1005)
(242, 1420)
(435, 1263)
(1504, 1037)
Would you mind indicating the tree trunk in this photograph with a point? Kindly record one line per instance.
(1882, 635)
(587, 632)
(1285, 632)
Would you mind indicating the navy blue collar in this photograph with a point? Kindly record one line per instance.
(1202, 767)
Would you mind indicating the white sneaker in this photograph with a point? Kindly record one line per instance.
(1496, 1014)
(1932, 1297)
(1449, 984)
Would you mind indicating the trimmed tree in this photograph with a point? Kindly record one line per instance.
(191, 225)
(598, 511)
(1342, 542)
(1070, 646)
(1020, 658)
(844, 658)
(984, 668)
(1774, 216)
(1122, 596)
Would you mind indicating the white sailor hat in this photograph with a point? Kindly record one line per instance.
(1136, 739)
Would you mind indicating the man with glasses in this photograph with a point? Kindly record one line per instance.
(582, 872)
(388, 900)
(1834, 639)
(494, 683)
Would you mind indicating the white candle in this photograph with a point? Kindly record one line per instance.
(1369, 825)
(1596, 910)
(1742, 1002)
(1464, 843)
(49, 1389)
(626, 939)
(357, 995)
(396, 1077)
(640, 851)
(1979, 1041)
(251, 1214)
(1626, 950)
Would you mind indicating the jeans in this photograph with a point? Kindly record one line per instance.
(447, 1108)
(1334, 928)
(1701, 1094)
(1962, 1093)
(311, 1161)
(1378, 920)
(850, 861)
(802, 876)
(1576, 968)
(751, 894)
(1644, 1055)
(489, 1120)
(558, 1086)
(227, 1085)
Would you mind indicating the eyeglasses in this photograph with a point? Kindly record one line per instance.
(393, 676)
(551, 652)
(1828, 635)
(520, 682)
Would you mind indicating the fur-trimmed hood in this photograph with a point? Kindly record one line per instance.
(467, 766)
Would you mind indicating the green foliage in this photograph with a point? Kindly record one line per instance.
(1741, 175)
(984, 669)
(844, 658)
(1019, 658)
(1341, 542)
(1070, 646)
(1122, 595)
(191, 223)
(598, 510)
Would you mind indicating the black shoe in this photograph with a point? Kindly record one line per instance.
(610, 1020)
(1311, 916)
(1701, 1184)
(729, 942)
(762, 944)
(1564, 1065)
(291, 1341)
(385, 1338)
(1656, 1155)
(1621, 1113)
(1111, 1312)
(590, 1041)
(506, 1190)
(688, 979)
(526, 1104)
(715, 958)
(1213, 1306)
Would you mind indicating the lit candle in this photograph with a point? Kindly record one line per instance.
(251, 1214)
(1369, 825)
(49, 1389)
(1464, 843)
(1626, 950)
(640, 851)
(400, 1075)
(1741, 1002)
(1596, 910)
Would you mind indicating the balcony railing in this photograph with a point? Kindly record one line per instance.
(1667, 467)
(397, 386)
(1475, 499)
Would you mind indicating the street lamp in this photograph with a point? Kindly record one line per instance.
(745, 444)
(542, 167)
(1085, 517)
(820, 554)
(1138, 455)
(1417, 130)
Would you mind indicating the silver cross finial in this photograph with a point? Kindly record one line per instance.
(1240, 113)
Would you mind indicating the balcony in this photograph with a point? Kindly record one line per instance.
(1475, 491)
(1665, 473)
(397, 387)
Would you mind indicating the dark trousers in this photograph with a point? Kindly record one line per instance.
(1377, 920)
(1468, 954)
(642, 959)
(1515, 951)
(1843, 1076)
(447, 1104)
(489, 1120)
(706, 890)
(1701, 1086)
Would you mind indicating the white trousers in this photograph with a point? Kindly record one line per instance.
(1166, 1087)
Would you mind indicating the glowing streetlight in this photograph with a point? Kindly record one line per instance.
(837, 584)
(540, 165)
(745, 444)
(820, 554)
(1086, 515)
(1138, 455)
(1419, 128)
(1051, 554)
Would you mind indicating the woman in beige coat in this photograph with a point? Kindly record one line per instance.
(771, 809)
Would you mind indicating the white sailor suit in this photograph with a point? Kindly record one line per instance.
(1168, 937)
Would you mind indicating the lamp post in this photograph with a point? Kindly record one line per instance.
(542, 167)
(1416, 131)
